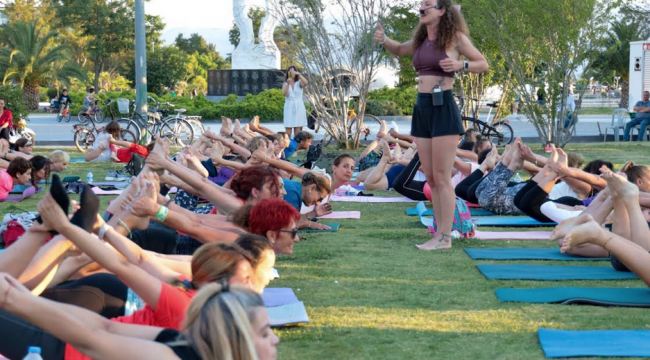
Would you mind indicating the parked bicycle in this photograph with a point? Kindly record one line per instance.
(175, 128)
(498, 131)
(85, 134)
(94, 113)
(369, 125)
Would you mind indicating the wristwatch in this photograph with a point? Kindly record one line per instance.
(465, 65)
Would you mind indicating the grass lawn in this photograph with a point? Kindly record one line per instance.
(371, 294)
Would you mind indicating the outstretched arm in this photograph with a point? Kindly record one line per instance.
(280, 164)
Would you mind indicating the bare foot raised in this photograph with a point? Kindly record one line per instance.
(587, 232)
(563, 228)
(620, 188)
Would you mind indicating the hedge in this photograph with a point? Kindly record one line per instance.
(14, 100)
(397, 101)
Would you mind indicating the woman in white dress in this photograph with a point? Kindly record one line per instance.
(295, 114)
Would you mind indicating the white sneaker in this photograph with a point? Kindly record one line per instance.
(394, 126)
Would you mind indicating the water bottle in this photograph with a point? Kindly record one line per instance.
(33, 353)
(517, 178)
(89, 177)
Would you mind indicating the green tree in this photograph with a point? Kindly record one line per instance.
(29, 11)
(28, 60)
(399, 25)
(613, 58)
(166, 67)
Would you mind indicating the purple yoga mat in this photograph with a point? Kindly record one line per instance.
(512, 235)
(342, 215)
(372, 199)
(99, 191)
(29, 192)
(279, 296)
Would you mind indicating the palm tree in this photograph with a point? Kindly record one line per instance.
(29, 59)
(615, 53)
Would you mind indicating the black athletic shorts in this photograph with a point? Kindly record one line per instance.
(432, 121)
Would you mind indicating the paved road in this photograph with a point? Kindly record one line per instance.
(49, 131)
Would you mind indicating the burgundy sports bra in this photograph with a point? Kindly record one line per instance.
(427, 57)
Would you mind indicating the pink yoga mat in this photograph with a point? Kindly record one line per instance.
(99, 191)
(372, 199)
(343, 215)
(512, 235)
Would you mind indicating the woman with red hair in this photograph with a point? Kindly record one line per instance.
(275, 219)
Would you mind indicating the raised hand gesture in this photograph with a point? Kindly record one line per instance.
(379, 35)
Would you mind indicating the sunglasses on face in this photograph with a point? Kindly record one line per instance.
(423, 11)
(293, 232)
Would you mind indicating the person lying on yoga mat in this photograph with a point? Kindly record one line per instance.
(537, 191)
(222, 322)
(166, 303)
(382, 176)
(466, 188)
(371, 155)
(628, 244)
(472, 155)
(19, 172)
(496, 192)
(274, 219)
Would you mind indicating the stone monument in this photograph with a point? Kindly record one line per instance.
(247, 54)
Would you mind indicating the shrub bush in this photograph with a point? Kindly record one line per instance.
(382, 108)
(404, 98)
(14, 100)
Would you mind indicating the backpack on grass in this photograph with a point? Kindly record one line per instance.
(462, 220)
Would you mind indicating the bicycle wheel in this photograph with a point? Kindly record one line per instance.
(83, 117)
(68, 116)
(460, 102)
(369, 125)
(59, 117)
(127, 135)
(99, 116)
(84, 140)
(130, 125)
(178, 131)
(197, 127)
(500, 133)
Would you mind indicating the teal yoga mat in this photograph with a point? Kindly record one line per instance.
(552, 272)
(628, 297)
(334, 228)
(594, 343)
(429, 212)
(524, 254)
(510, 221)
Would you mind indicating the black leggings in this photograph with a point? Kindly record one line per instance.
(405, 185)
(104, 294)
(17, 335)
(531, 198)
(466, 189)
(157, 238)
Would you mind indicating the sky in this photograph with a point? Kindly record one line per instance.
(210, 18)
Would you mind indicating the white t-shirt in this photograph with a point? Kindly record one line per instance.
(562, 189)
(305, 209)
(456, 179)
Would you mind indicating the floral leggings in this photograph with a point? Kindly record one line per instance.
(495, 192)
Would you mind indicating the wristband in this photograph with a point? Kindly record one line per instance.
(102, 231)
(161, 215)
(124, 226)
(384, 39)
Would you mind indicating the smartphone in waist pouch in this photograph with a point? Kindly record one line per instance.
(438, 100)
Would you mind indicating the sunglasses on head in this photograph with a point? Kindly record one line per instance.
(293, 232)
(437, 7)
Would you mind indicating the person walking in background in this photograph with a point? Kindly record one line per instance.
(295, 114)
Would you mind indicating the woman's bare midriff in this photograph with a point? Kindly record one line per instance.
(426, 83)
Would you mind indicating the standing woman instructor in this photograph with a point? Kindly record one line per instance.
(295, 114)
(437, 44)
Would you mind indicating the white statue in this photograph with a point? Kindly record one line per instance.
(247, 54)
(244, 23)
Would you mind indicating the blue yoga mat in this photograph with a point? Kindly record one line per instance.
(279, 296)
(629, 297)
(524, 254)
(597, 343)
(510, 221)
(334, 228)
(429, 212)
(552, 272)
(79, 160)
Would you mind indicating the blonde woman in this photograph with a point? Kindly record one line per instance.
(221, 323)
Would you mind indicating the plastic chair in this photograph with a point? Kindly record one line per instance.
(638, 131)
(619, 118)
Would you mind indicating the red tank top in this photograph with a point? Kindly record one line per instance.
(427, 58)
